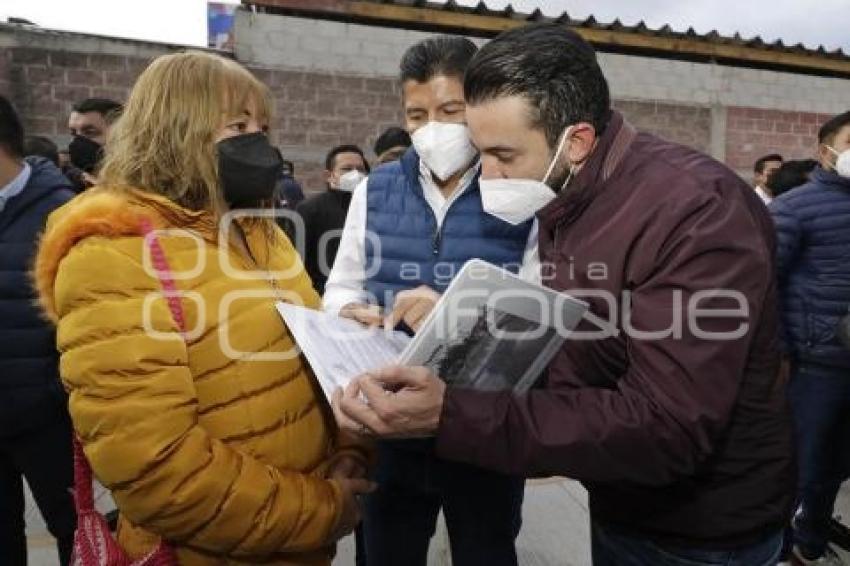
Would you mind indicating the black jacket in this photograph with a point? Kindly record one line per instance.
(324, 213)
(31, 394)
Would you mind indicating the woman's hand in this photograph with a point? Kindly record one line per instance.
(346, 466)
(350, 516)
(370, 315)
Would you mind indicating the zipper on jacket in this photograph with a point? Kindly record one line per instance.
(435, 241)
(437, 238)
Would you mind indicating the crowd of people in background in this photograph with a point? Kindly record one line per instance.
(510, 153)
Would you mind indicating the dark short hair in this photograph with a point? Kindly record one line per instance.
(792, 174)
(11, 130)
(392, 137)
(831, 127)
(549, 65)
(43, 147)
(762, 161)
(287, 165)
(446, 55)
(109, 109)
(345, 148)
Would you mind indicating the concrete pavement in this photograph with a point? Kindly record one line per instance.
(555, 528)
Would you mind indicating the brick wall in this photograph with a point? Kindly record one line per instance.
(316, 111)
(313, 111)
(754, 132)
(303, 43)
(47, 83)
(689, 125)
(318, 107)
(700, 104)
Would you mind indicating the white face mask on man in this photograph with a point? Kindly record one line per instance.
(445, 148)
(842, 162)
(349, 181)
(517, 200)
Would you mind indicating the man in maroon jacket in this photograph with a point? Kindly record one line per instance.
(674, 417)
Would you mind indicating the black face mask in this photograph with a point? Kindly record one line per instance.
(248, 167)
(85, 154)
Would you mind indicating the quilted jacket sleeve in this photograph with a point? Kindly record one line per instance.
(788, 237)
(134, 407)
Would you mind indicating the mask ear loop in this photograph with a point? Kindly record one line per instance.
(569, 177)
(551, 168)
(835, 152)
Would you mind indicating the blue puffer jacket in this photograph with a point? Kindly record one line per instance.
(413, 251)
(813, 259)
(31, 394)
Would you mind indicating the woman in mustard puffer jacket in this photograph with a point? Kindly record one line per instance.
(218, 441)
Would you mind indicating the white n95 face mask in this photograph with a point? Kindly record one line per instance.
(349, 181)
(842, 163)
(517, 200)
(445, 148)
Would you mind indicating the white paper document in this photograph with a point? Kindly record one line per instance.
(339, 349)
(490, 331)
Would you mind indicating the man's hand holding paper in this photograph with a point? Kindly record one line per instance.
(391, 402)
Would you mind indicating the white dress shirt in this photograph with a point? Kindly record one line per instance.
(347, 281)
(765, 197)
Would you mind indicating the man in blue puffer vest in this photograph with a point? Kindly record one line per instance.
(410, 228)
(35, 429)
(813, 261)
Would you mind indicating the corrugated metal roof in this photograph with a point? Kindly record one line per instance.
(482, 9)
(483, 21)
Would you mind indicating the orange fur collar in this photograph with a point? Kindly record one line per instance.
(98, 212)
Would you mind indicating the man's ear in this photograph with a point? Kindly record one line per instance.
(825, 156)
(581, 143)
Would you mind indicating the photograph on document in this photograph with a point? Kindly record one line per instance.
(491, 351)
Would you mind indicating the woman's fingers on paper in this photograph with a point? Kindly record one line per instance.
(369, 315)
